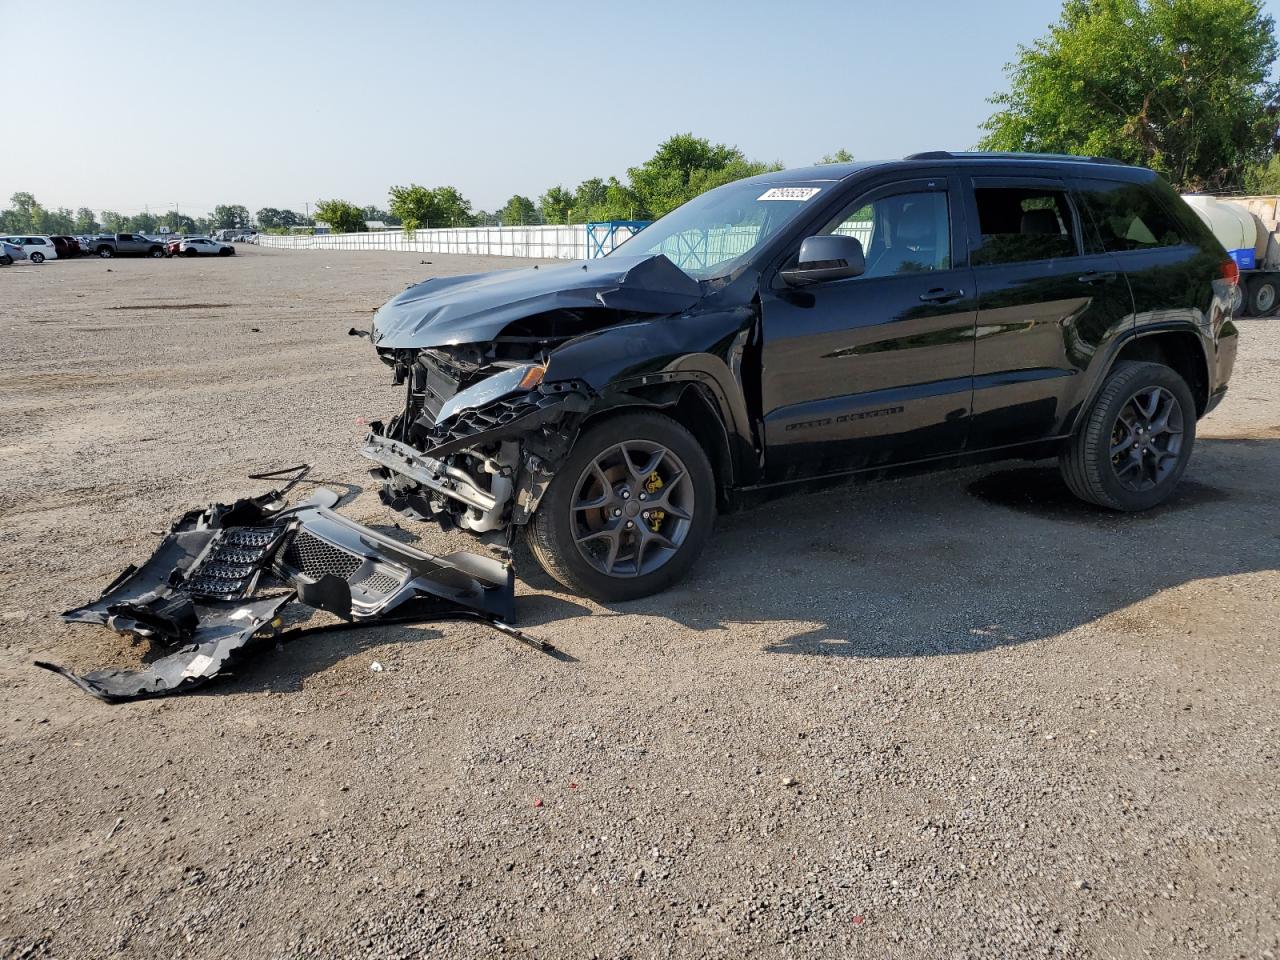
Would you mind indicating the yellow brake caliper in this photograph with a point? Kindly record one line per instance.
(651, 486)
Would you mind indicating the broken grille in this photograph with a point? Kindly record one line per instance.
(313, 558)
(379, 583)
(229, 569)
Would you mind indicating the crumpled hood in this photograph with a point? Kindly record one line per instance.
(475, 308)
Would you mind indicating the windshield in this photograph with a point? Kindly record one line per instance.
(712, 233)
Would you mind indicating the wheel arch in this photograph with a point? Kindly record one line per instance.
(1177, 346)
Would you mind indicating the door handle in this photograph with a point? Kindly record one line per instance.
(939, 295)
(1094, 276)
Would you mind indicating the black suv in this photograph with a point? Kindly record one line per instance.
(806, 325)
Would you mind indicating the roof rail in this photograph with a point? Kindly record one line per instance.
(1000, 155)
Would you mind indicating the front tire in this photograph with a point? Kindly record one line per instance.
(1136, 439)
(6, 260)
(628, 512)
(156, 252)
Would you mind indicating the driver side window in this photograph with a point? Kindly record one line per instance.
(902, 233)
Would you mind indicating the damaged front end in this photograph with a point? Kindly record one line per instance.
(481, 468)
(489, 414)
(223, 577)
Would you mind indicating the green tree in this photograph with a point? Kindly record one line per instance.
(417, 207)
(342, 217)
(230, 217)
(372, 212)
(597, 199)
(85, 222)
(1264, 178)
(24, 216)
(589, 195)
(1182, 86)
(683, 167)
(178, 222)
(518, 211)
(269, 218)
(113, 222)
(620, 202)
(555, 204)
(58, 222)
(141, 223)
(840, 156)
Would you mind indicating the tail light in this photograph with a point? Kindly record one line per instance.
(1231, 272)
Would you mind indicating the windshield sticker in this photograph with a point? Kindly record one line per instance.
(790, 193)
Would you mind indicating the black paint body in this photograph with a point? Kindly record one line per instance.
(917, 369)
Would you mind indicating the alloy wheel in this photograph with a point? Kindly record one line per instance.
(632, 508)
(1147, 439)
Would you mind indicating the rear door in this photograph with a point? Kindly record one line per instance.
(876, 369)
(1171, 277)
(1046, 300)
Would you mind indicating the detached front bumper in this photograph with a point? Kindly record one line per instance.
(223, 577)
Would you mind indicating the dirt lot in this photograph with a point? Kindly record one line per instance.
(950, 716)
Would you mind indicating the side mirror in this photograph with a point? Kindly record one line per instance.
(833, 257)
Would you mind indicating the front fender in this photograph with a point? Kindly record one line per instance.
(633, 359)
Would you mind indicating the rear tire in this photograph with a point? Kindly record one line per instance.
(1135, 441)
(106, 253)
(601, 529)
(191, 252)
(37, 258)
(1264, 296)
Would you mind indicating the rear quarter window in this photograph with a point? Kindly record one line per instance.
(1129, 216)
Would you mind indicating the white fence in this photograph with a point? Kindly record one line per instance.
(551, 242)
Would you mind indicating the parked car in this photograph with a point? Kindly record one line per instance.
(67, 247)
(38, 249)
(127, 244)
(838, 321)
(9, 252)
(171, 246)
(203, 246)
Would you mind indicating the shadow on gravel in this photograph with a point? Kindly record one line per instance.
(929, 567)
(285, 668)
(1040, 491)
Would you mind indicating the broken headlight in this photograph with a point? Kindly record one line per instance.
(514, 380)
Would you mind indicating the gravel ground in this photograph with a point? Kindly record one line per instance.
(948, 716)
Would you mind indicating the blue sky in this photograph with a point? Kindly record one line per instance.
(279, 103)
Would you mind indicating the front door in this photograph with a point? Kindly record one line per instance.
(877, 369)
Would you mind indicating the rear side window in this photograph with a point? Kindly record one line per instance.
(1022, 224)
(1129, 216)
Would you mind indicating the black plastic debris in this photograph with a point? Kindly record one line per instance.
(222, 577)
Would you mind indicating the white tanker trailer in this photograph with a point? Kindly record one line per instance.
(1249, 227)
